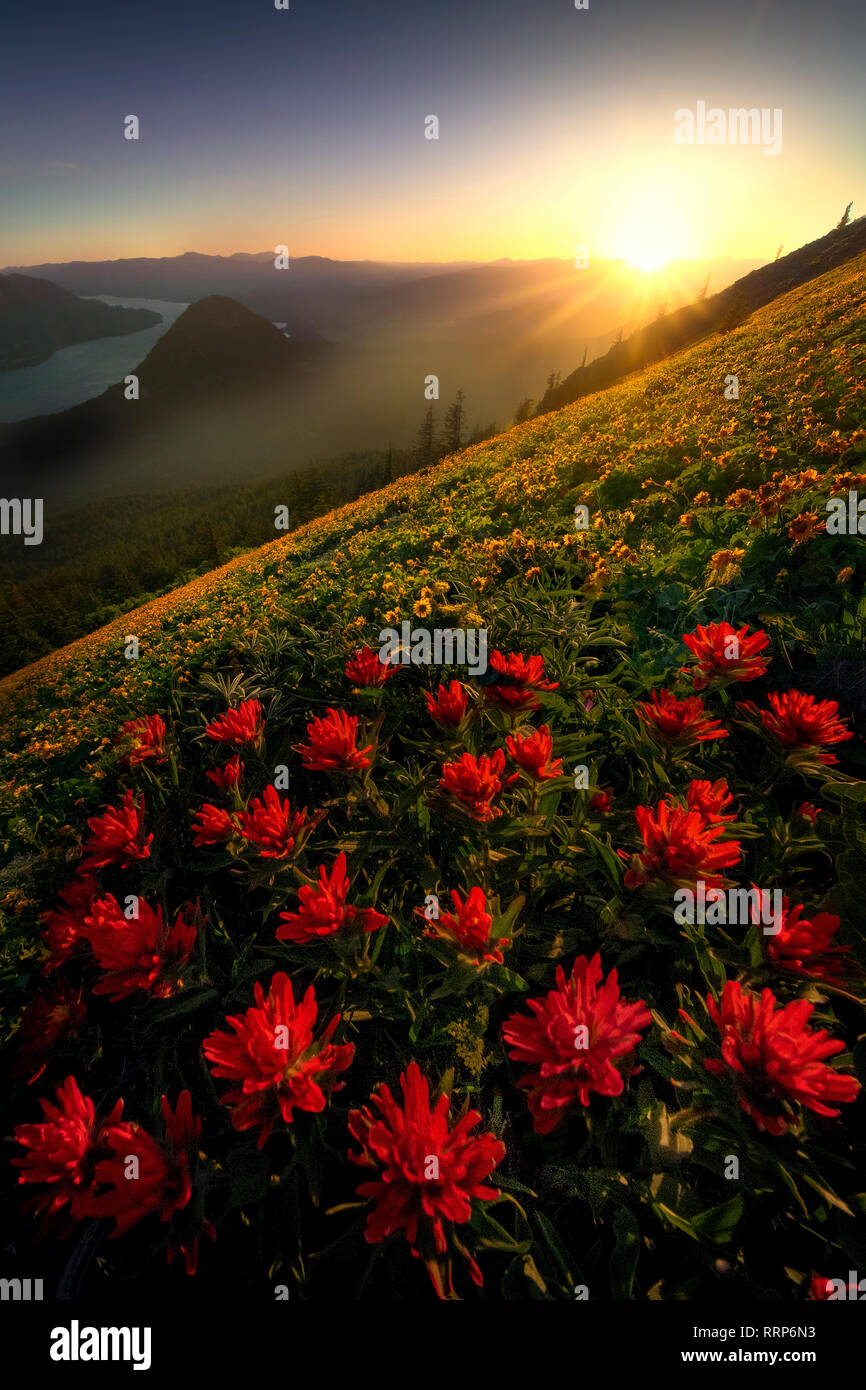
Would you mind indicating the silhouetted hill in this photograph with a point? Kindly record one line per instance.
(215, 344)
(38, 317)
(217, 394)
(719, 312)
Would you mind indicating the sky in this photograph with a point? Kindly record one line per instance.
(305, 127)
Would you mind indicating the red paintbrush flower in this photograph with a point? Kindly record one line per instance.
(681, 722)
(272, 825)
(518, 679)
(64, 1149)
(820, 1287)
(117, 836)
(162, 1181)
(724, 654)
(243, 727)
(712, 799)
(215, 825)
(468, 928)
(145, 739)
(227, 777)
(581, 1038)
(275, 1058)
(448, 706)
(680, 848)
(332, 744)
(324, 911)
(56, 1014)
(802, 723)
(533, 752)
(140, 953)
(774, 1060)
(600, 801)
(474, 782)
(163, 1178)
(805, 945)
(366, 668)
(424, 1173)
(65, 933)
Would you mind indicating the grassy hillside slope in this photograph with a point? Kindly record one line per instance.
(701, 510)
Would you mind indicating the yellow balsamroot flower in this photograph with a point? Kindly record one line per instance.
(725, 565)
(533, 572)
(391, 617)
(739, 498)
(805, 526)
(702, 499)
(422, 608)
(844, 575)
(686, 519)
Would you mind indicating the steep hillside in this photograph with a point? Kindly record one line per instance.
(474, 881)
(670, 332)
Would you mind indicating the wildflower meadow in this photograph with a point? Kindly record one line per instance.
(326, 976)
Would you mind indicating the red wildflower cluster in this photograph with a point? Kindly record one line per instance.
(117, 836)
(724, 654)
(774, 1060)
(681, 722)
(801, 723)
(278, 1064)
(324, 911)
(425, 1174)
(580, 1039)
(84, 1164)
(680, 848)
(242, 727)
(271, 825)
(139, 953)
(518, 680)
(366, 668)
(332, 745)
(468, 928)
(448, 706)
(534, 752)
(805, 945)
(65, 933)
(144, 738)
(475, 782)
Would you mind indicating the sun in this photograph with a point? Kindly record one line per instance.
(652, 229)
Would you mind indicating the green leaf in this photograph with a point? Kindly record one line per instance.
(626, 1253)
(719, 1223)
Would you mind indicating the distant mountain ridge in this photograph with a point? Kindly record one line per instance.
(38, 317)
